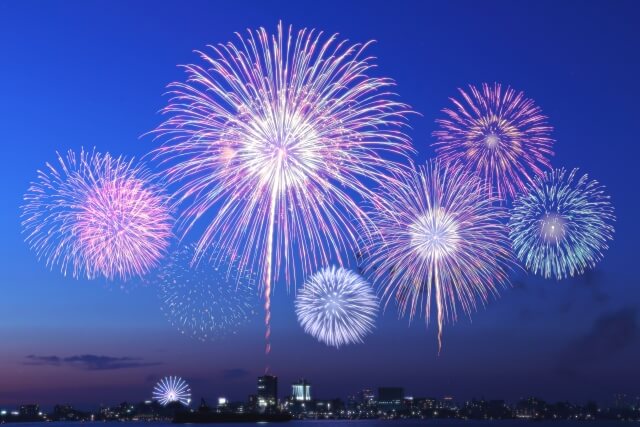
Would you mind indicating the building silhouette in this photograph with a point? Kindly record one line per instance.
(390, 398)
(267, 392)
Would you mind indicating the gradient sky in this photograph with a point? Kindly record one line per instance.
(93, 73)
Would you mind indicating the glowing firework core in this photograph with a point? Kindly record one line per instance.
(552, 227)
(434, 234)
(333, 303)
(492, 140)
(281, 154)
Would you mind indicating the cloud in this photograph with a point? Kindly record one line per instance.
(43, 360)
(89, 362)
(592, 283)
(234, 373)
(610, 334)
(583, 293)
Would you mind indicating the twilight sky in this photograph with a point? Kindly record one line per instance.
(90, 74)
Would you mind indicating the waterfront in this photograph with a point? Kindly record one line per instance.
(377, 423)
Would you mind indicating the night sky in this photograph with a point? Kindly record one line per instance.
(91, 74)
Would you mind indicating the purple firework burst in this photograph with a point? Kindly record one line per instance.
(441, 240)
(499, 134)
(97, 215)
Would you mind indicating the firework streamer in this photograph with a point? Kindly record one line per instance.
(275, 137)
(561, 225)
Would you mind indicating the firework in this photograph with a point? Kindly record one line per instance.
(337, 307)
(172, 389)
(499, 134)
(203, 301)
(439, 238)
(561, 225)
(97, 215)
(274, 138)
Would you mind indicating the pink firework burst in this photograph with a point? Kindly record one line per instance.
(441, 240)
(499, 134)
(97, 215)
(274, 137)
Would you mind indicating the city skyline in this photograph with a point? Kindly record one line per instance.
(92, 74)
(270, 392)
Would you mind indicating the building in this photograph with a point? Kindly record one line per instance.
(328, 408)
(252, 403)
(531, 408)
(301, 391)
(366, 397)
(447, 402)
(30, 411)
(267, 392)
(390, 399)
(425, 403)
(223, 404)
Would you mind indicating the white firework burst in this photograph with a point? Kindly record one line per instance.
(337, 307)
(172, 389)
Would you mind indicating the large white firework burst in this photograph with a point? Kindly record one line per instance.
(337, 307)
(561, 225)
(172, 389)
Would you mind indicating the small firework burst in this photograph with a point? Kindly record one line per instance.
(337, 307)
(562, 224)
(204, 301)
(499, 134)
(172, 389)
(97, 215)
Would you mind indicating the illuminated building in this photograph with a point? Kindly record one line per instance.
(301, 391)
(267, 391)
(30, 410)
(366, 397)
(390, 398)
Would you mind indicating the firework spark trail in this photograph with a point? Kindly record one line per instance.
(97, 215)
(202, 301)
(499, 134)
(561, 225)
(274, 138)
(440, 237)
(337, 307)
(267, 278)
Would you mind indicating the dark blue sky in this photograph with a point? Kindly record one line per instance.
(90, 74)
